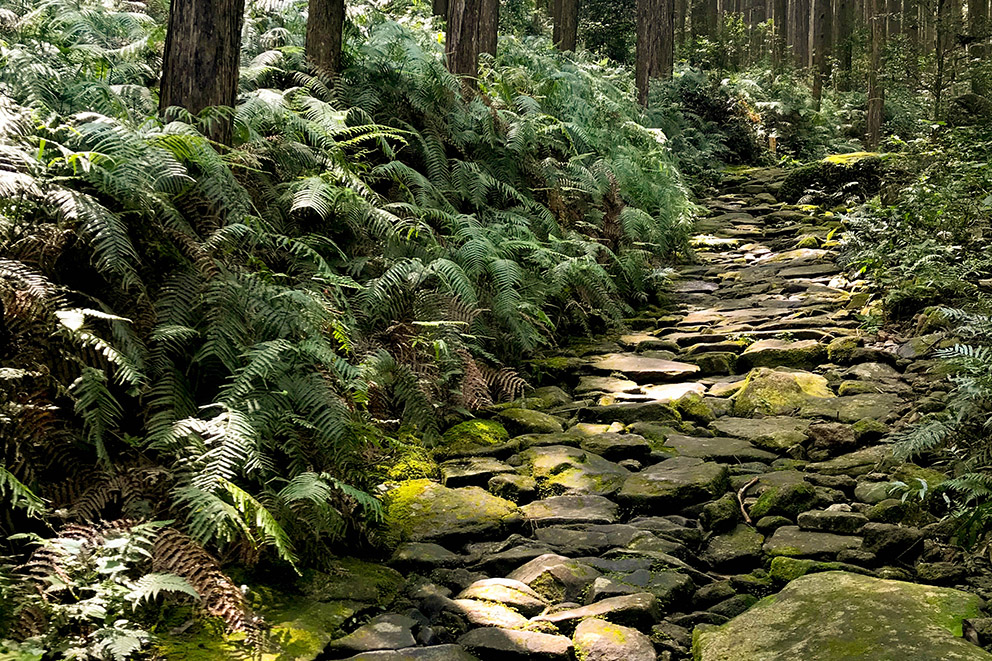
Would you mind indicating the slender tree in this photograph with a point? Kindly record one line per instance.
(843, 42)
(489, 27)
(703, 17)
(565, 17)
(655, 43)
(822, 35)
(875, 92)
(799, 31)
(780, 23)
(893, 18)
(325, 23)
(200, 64)
(681, 9)
(462, 41)
(978, 32)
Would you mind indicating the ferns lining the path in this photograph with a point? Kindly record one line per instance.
(223, 337)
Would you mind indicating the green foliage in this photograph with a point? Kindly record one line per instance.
(228, 337)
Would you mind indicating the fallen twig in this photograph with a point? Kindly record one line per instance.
(740, 498)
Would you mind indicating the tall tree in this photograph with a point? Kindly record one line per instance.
(780, 23)
(844, 42)
(439, 7)
(893, 18)
(200, 64)
(462, 40)
(876, 99)
(822, 35)
(565, 17)
(799, 31)
(681, 9)
(325, 23)
(703, 17)
(655, 43)
(978, 32)
(489, 27)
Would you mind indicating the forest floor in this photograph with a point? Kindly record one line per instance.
(729, 448)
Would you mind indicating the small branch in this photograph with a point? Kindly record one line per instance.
(740, 497)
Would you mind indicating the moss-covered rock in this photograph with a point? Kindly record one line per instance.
(413, 464)
(693, 407)
(526, 421)
(800, 354)
(859, 172)
(836, 616)
(786, 500)
(784, 569)
(472, 438)
(778, 392)
(841, 350)
(424, 511)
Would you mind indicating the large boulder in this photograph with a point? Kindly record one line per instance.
(425, 511)
(836, 616)
(778, 392)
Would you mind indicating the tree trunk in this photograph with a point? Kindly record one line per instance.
(756, 16)
(655, 43)
(440, 8)
(822, 32)
(681, 8)
(325, 22)
(875, 92)
(780, 18)
(978, 29)
(893, 18)
(202, 53)
(462, 42)
(489, 27)
(911, 28)
(566, 24)
(704, 18)
(844, 42)
(800, 32)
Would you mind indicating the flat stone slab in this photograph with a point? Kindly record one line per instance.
(472, 470)
(718, 449)
(838, 616)
(598, 640)
(424, 511)
(671, 392)
(675, 482)
(638, 610)
(771, 433)
(638, 367)
(611, 384)
(560, 510)
(435, 653)
(803, 354)
(793, 542)
(493, 643)
(515, 594)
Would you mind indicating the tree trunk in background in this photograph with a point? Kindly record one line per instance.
(875, 92)
(440, 8)
(462, 41)
(757, 11)
(566, 24)
(325, 22)
(893, 18)
(202, 53)
(655, 43)
(978, 28)
(800, 31)
(843, 35)
(822, 35)
(681, 8)
(489, 26)
(780, 18)
(911, 28)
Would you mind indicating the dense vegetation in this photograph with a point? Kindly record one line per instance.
(212, 354)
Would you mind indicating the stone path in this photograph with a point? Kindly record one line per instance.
(726, 449)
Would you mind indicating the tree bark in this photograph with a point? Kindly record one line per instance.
(325, 25)
(911, 28)
(489, 27)
(655, 43)
(462, 41)
(681, 9)
(875, 92)
(800, 31)
(566, 24)
(843, 35)
(978, 29)
(822, 34)
(202, 54)
(780, 22)
(893, 18)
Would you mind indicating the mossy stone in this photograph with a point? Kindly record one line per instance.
(836, 616)
(786, 500)
(778, 392)
(841, 349)
(472, 437)
(524, 421)
(424, 511)
(693, 407)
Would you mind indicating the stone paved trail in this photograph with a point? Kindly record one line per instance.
(727, 449)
